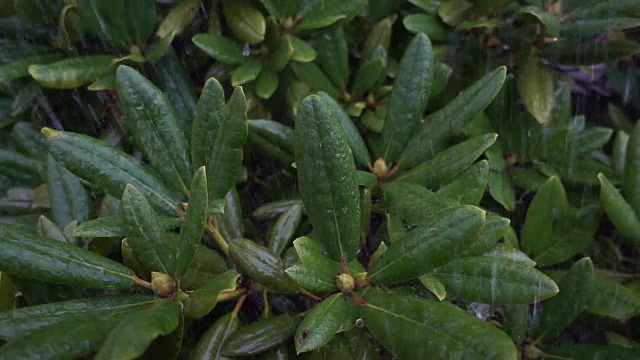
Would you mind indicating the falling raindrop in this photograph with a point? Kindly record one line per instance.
(359, 323)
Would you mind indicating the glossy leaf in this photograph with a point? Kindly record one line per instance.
(435, 286)
(205, 297)
(415, 204)
(224, 159)
(131, 337)
(430, 245)
(495, 281)
(317, 272)
(33, 257)
(194, 221)
(46, 228)
(357, 144)
(178, 19)
(150, 245)
(260, 335)
(448, 163)
(266, 84)
(608, 298)
(367, 76)
(468, 187)
(562, 309)
(547, 206)
(439, 329)
(426, 24)
(631, 184)
(302, 51)
(536, 87)
(618, 210)
(121, 22)
(332, 54)
(210, 344)
(327, 178)
(113, 226)
(273, 138)
(274, 209)
(29, 140)
(152, 121)
(220, 48)
(205, 264)
(408, 99)
(261, 264)
(310, 74)
(245, 21)
(438, 127)
(321, 324)
(71, 201)
(71, 73)
(246, 72)
(283, 230)
(230, 223)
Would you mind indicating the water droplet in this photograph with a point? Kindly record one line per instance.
(246, 51)
(359, 323)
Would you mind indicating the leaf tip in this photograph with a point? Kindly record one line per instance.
(49, 132)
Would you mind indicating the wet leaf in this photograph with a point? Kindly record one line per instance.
(220, 48)
(468, 187)
(261, 335)
(549, 204)
(576, 52)
(426, 24)
(122, 23)
(609, 298)
(367, 76)
(205, 296)
(430, 245)
(245, 21)
(495, 281)
(71, 73)
(246, 72)
(71, 201)
(536, 87)
(439, 329)
(113, 226)
(274, 209)
(32, 257)
(333, 56)
(435, 286)
(282, 232)
(194, 221)
(131, 337)
(631, 183)
(327, 178)
(266, 84)
(210, 344)
(618, 210)
(321, 324)
(273, 138)
(205, 264)
(302, 51)
(310, 74)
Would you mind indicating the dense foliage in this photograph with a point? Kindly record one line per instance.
(343, 179)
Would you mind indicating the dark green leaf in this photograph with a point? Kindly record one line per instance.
(408, 326)
(18, 167)
(575, 52)
(245, 21)
(562, 309)
(70, 200)
(220, 48)
(230, 223)
(113, 226)
(438, 127)
(71, 73)
(46, 228)
(332, 51)
(261, 264)
(131, 337)
(327, 178)
(150, 245)
(210, 344)
(414, 203)
(468, 187)
(123, 23)
(495, 281)
(536, 87)
(205, 264)
(317, 272)
(246, 72)
(154, 126)
(30, 256)
(631, 184)
(367, 76)
(618, 210)
(408, 99)
(194, 221)
(266, 84)
(281, 234)
(273, 209)
(273, 138)
(205, 297)
(20, 67)
(430, 245)
(427, 24)
(593, 352)
(549, 204)
(310, 74)
(260, 335)
(321, 324)
(29, 140)
(589, 27)
(608, 298)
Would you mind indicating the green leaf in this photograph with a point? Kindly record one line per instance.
(220, 48)
(549, 204)
(593, 352)
(68, 339)
(321, 13)
(260, 335)
(448, 163)
(576, 52)
(20, 67)
(379, 37)
(17, 323)
(495, 281)
(608, 298)
(367, 76)
(546, 19)
(453, 12)
(20, 168)
(109, 169)
(246, 72)
(205, 297)
(178, 19)
(7, 295)
(562, 309)
(209, 116)
(408, 99)
(261, 264)
(431, 283)
(210, 344)
(310, 74)
(266, 84)
(194, 221)
(206, 263)
(131, 337)
(224, 159)
(415, 204)
(272, 138)
(32, 257)
(427, 24)
(536, 87)
(70, 200)
(245, 21)
(282, 232)
(281, 8)
(327, 178)
(430, 245)
(113, 226)
(333, 56)
(317, 272)
(273, 209)
(150, 245)
(29, 140)
(280, 55)
(154, 126)
(71, 73)
(302, 51)
(357, 144)
(46, 228)
(123, 23)
(230, 223)
(321, 324)
(440, 126)
(631, 183)
(407, 326)
(590, 27)
(618, 210)
(468, 187)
